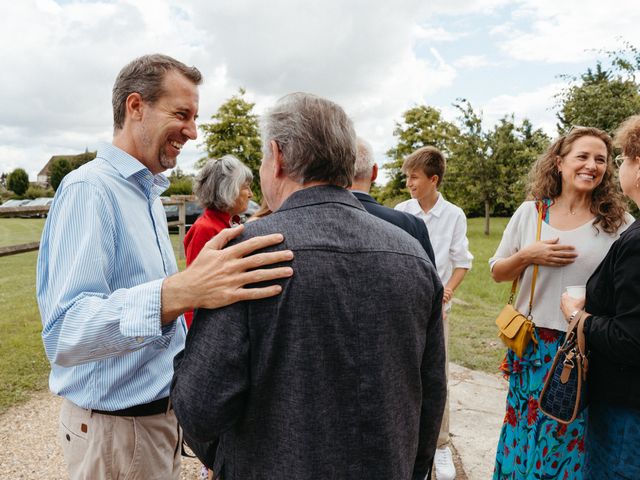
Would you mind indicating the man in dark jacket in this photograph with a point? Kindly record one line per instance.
(342, 375)
(366, 172)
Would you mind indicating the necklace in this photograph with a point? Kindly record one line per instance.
(572, 212)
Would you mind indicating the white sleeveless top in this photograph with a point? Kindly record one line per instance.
(591, 246)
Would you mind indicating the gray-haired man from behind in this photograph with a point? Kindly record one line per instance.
(366, 172)
(342, 375)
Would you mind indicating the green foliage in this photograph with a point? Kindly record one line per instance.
(35, 191)
(486, 170)
(180, 183)
(486, 174)
(599, 98)
(234, 130)
(18, 181)
(182, 186)
(64, 164)
(58, 170)
(421, 126)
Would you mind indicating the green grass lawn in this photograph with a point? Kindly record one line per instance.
(24, 367)
(473, 339)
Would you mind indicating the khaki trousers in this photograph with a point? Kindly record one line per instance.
(443, 436)
(97, 446)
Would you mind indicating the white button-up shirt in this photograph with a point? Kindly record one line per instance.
(447, 225)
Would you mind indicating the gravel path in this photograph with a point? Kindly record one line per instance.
(31, 450)
(28, 436)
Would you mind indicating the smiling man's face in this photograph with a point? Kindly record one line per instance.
(168, 124)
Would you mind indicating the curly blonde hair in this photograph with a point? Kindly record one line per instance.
(545, 180)
(627, 137)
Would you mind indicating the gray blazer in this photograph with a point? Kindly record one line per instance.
(339, 377)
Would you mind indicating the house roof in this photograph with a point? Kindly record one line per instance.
(87, 155)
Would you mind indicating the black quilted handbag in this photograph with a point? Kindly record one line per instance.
(564, 394)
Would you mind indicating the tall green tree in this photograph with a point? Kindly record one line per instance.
(599, 97)
(234, 130)
(421, 126)
(486, 171)
(57, 171)
(18, 181)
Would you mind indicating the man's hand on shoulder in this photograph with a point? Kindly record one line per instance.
(218, 275)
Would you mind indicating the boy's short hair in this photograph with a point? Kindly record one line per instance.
(428, 159)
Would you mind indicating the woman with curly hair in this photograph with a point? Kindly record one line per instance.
(583, 214)
(612, 331)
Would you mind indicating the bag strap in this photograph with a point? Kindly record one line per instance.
(514, 285)
(582, 342)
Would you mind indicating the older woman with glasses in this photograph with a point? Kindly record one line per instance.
(612, 332)
(583, 214)
(223, 187)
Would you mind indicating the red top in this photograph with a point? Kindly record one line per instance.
(207, 226)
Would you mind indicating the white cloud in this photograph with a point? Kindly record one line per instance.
(466, 7)
(470, 62)
(435, 34)
(64, 57)
(569, 30)
(536, 105)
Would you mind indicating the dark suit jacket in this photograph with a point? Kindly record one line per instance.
(613, 330)
(407, 222)
(341, 376)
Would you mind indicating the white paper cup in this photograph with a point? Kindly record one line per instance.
(577, 291)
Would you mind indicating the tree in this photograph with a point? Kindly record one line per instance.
(18, 181)
(57, 171)
(421, 126)
(600, 98)
(180, 183)
(3, 180)
(235, 131)
(486, 171)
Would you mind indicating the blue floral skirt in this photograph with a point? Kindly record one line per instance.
(532, 445)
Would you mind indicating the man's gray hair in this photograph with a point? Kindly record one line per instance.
(315, 136)
(364, 160)
(219, 182)
(145, 75)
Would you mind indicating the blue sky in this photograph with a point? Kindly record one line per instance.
(376, 58)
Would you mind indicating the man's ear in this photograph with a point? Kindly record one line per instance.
(434, 179)
(134, 106)
(276, 155)
(374, 172)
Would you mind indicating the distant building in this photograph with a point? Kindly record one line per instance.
(44, 176)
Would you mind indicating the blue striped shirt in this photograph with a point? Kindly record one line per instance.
(104, 253)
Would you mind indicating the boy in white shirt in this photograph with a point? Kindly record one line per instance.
(447, 225)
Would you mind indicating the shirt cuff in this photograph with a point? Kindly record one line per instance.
(141, 311)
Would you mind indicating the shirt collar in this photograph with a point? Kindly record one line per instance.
(128, 166)
(414, 208)
(223, 217)
(438, 208)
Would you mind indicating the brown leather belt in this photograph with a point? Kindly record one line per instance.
(152, 408)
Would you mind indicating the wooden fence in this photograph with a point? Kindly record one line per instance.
(179, 200)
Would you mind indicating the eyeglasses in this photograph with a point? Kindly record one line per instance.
(619, 160)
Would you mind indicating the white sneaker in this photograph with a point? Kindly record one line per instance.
(443, 462)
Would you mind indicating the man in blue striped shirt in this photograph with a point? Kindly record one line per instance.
(108, 288)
